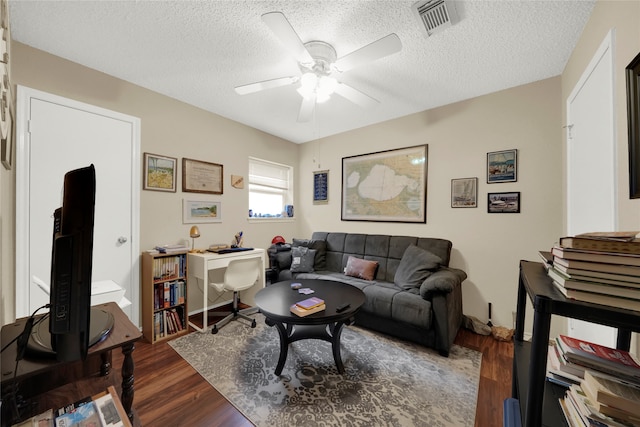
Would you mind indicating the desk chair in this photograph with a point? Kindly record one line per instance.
(240, 274)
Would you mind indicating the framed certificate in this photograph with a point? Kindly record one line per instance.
(201, 177)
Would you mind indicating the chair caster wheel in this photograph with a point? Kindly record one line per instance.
(253, 323)
(214, 330)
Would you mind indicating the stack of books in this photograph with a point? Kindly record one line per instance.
(601, 268)
(308, 306)
(606, 388)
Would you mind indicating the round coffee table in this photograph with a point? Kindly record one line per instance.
(276, 300)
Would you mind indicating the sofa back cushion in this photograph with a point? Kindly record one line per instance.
(387, 250)
(415, 266)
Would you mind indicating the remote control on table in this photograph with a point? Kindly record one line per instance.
(342, 307)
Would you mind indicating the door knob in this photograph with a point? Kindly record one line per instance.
(122, 240)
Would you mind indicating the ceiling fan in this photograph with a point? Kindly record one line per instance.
(319, 64)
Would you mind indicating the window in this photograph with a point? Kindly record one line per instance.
(270, 189)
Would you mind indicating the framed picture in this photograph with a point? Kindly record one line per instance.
(502, 166)
(633, 124)
(201, 211)
(503, 202)
(464, 193)
(160, 173)
(320, 187)
(201, 177)
(6, 140)
(386, 186)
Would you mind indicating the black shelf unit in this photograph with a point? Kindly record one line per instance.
(538, 398)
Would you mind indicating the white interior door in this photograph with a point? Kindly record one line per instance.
(591, 164)
(59, 135)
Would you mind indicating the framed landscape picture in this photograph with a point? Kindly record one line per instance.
(464, 193)
(502, 166)
(201, 211)
(503, 202)
(160, 173)
(388, 186)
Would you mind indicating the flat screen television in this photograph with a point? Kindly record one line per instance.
(72, 325)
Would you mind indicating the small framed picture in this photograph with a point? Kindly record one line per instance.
(160, 173)
(502, 166)
(503, 202)
(201, 211)
(320, 187)
(464, 193)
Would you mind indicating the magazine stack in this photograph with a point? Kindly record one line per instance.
(600, 268)
(603, 383)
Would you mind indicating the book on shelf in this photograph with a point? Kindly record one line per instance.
(310, 303)
(587, 411)
(598, 244)
(560, 371)
(302, 312)
(599, 276)
(611, 394)
(588, 267)
(598, 357)
(619, 289)
(608, 300)
(602, 257)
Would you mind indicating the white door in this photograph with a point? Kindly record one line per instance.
(58, 135)
(591, 164)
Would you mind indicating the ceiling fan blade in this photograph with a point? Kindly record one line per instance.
(267, 84)
(376, 50)
(278, 23)
(355, 96)
(307, 107)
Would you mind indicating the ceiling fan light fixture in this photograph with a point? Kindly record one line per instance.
(321, 86)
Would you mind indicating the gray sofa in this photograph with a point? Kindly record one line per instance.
(413, 293)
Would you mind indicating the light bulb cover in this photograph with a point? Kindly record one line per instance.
(194, 232)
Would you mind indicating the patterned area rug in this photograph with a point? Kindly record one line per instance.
(387, 382)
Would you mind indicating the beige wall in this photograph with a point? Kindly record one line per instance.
(171, 128)
(487, 246)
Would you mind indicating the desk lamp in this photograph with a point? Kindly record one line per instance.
(194, 233)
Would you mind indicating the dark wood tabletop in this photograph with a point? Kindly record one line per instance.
(276, 300)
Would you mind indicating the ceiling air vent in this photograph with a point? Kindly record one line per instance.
(435, 15)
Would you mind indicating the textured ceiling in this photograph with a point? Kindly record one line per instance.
(198, 51)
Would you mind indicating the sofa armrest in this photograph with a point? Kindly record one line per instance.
(445, 293)
(444, 280)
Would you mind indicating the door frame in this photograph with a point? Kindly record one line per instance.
(605, 334)
(23, 172)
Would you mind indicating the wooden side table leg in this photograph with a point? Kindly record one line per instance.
(127, 379)
(105, 367)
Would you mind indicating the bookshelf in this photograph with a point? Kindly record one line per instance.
(538, 398)
(164, 295)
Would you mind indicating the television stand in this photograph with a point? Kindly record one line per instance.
(39, 344)
(36, 376)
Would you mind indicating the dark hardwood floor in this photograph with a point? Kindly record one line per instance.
(168, 392)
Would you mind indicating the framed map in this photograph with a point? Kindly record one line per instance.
(389, 186)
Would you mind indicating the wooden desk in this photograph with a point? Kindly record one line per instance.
(199, 266)
(36, 376)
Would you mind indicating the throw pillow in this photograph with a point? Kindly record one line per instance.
(415, 266)
(361, 268)
(320, 247)
(302, 259)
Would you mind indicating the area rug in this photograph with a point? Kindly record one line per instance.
(387, 382)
